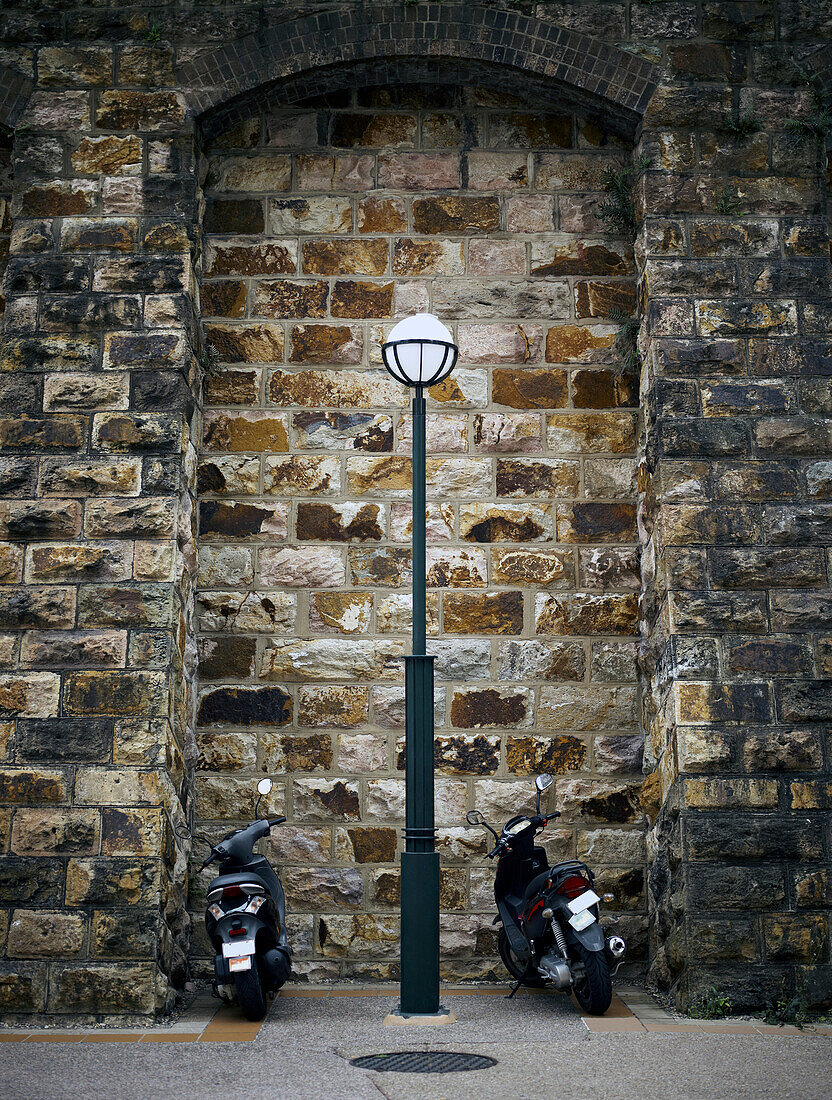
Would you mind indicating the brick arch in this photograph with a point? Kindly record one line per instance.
(371, 41)
(15, 89)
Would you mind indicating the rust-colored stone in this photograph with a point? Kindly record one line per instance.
(456, 214)
(290, 298)
(326, 523)
(381, 216)
(574, 343)
(326, 344)
(246, 431)
(361, 299)
(246, 343)
(526, 388)
(472, 708)
(556, 755)
(483, 612)
(602, 299)
(350, 257)
(225, 299)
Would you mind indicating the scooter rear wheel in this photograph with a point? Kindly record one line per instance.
(594, 990)
(513, 965)
(250, 995)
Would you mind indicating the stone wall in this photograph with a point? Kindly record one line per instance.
(102, 361)
(321, 224)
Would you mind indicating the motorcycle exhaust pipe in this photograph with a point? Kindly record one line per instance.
(616, 947)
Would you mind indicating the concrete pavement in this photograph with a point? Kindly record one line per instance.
(542, 1046)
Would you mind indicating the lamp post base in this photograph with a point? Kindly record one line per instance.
(397, 1018)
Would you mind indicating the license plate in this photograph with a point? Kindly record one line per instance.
(232, 950)
(587, 898)
(582, 920)
(243, 963)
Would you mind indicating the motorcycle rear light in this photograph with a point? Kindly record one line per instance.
(573, 886)
(215, 912)
(231, 892)
(237, 931)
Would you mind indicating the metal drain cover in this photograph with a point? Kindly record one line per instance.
(423, 1061)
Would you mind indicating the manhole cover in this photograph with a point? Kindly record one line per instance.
(423, 1061)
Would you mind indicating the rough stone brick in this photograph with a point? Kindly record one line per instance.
(315, 214)
(497, 171)
(246, 431)
(241, 257)
(483, 613)
(505, 523)
(315, 172)
(367, 256)
(495, 257)
(455, 214)
(429, 257)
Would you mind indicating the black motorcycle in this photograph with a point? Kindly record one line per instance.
(246, 918)
(549, 915)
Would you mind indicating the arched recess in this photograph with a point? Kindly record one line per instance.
(283, 67)
(320, 48)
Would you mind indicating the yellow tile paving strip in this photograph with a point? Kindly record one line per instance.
(203, 1022)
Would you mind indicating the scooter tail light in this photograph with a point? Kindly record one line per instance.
(231, 892)
(215, 911)
(255, 903)
(573, 886)
(237, 931)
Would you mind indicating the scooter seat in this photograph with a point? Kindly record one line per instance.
(537, 884)
(247, 881)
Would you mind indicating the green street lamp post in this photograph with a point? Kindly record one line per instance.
(419, 352)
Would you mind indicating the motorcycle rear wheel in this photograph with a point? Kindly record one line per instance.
(250, 995)
(594, 990)
(513, 965)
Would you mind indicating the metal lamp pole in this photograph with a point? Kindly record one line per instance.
(419, 352)
(420, 862)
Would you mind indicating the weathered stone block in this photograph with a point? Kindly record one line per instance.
(339, 173)
(556, 755)
(533, 660)
(317, 214)
(483, 613)
(319, 889)
(328, 707)
(240, 706)
(333, 660)
(304, 566)
(586, 614)
(239, 256)
(326, 800)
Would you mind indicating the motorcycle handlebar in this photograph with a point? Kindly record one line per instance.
(277, 821)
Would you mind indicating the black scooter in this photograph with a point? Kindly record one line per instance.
(246, 918)
(549, 915)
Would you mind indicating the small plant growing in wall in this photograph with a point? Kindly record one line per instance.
(787, 1010)
(710, 1005)
(741, 126)
(726, 203)
(626, 339)
(208, 360)
(818, 123)
(153, 34)
(617, 211)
